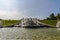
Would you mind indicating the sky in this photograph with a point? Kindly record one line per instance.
(17, 9)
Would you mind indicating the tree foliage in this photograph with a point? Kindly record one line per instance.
(58, 16)
(53, 17)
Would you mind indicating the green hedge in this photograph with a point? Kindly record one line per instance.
(9, 22)
(49, 22)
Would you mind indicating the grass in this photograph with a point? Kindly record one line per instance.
(9, 22)
(49, 22)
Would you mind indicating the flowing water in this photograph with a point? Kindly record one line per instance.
(29, 34)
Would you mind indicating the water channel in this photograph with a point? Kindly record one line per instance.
(16, 33)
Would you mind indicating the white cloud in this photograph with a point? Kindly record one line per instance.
(8, 4)
(4, 14)
(8, 10)
(12, 9)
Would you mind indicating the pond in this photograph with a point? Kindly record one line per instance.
(29, 34)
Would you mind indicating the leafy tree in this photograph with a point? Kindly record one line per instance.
(48, 18)
(52, 16)
(58, 16)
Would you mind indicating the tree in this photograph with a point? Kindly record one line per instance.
(58, 16)
(48, 18)
(52, 16)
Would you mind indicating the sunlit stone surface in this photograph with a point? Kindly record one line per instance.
(29, 22)
(58, 24)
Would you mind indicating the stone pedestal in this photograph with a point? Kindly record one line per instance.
(58, 24)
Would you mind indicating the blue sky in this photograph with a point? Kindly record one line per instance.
(17, 9)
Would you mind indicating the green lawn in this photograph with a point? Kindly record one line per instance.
(50, 22)
(9, 22)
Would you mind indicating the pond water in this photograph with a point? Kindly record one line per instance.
(29, 34)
